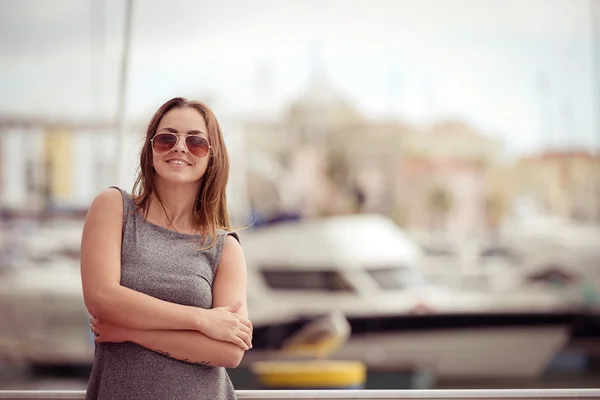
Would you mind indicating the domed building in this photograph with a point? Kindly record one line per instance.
(290, 157)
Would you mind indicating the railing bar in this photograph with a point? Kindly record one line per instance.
(513, 394)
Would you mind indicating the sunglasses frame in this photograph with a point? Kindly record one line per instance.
(175, 145)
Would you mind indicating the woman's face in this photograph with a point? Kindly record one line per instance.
(178, 165)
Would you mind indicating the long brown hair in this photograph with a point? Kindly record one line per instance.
(211, 203)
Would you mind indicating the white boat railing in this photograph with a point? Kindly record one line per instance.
(478, 394)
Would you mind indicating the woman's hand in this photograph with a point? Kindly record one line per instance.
(106, 332)
(222, 323)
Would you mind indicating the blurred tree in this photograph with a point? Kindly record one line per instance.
(352, 197)
(401, 215)
(495, 210)
(338, 169)
(440, 204)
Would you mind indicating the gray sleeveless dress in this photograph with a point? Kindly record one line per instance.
(170, 266)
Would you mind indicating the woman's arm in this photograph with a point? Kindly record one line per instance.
(230, 283)
(107, 299)
(189, 346)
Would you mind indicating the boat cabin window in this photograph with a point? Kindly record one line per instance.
(396, 277)
(303, 280)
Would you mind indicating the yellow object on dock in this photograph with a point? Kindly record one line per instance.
(312, 374)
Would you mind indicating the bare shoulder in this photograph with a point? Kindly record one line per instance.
(232, 245)
(109, 200)
(233, 255)
(107, 207)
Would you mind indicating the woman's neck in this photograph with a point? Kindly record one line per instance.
(179, 202)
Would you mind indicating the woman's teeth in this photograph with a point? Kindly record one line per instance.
(177, 162)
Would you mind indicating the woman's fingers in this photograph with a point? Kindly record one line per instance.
(240, 342)
(246, 330)
(246, 322)
(93, 322)
(246, 338)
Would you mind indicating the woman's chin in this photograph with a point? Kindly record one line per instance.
(177, 177)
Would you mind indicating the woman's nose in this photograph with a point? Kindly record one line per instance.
(180, 146)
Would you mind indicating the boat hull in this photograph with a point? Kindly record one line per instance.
(483, 346)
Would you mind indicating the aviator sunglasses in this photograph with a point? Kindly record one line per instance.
(197, 146)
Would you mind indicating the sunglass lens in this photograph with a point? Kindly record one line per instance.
(197, 146)
(164, 142)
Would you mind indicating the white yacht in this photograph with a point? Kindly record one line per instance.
(367, 268)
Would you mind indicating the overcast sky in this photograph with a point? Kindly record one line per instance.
(487, 62)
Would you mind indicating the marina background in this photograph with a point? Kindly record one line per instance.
(441, 160)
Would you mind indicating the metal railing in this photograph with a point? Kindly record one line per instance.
(513, 394)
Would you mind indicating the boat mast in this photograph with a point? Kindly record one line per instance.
(122, 95)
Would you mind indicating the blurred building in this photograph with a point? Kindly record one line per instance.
(57, 167)
(21, 150)
(291, 163)
(564, 184)
(325, 158)
(443, 179)
(50, 167)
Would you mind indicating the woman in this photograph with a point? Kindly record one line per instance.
(163, 276)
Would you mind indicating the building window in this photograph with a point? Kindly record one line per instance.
(30, 176)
